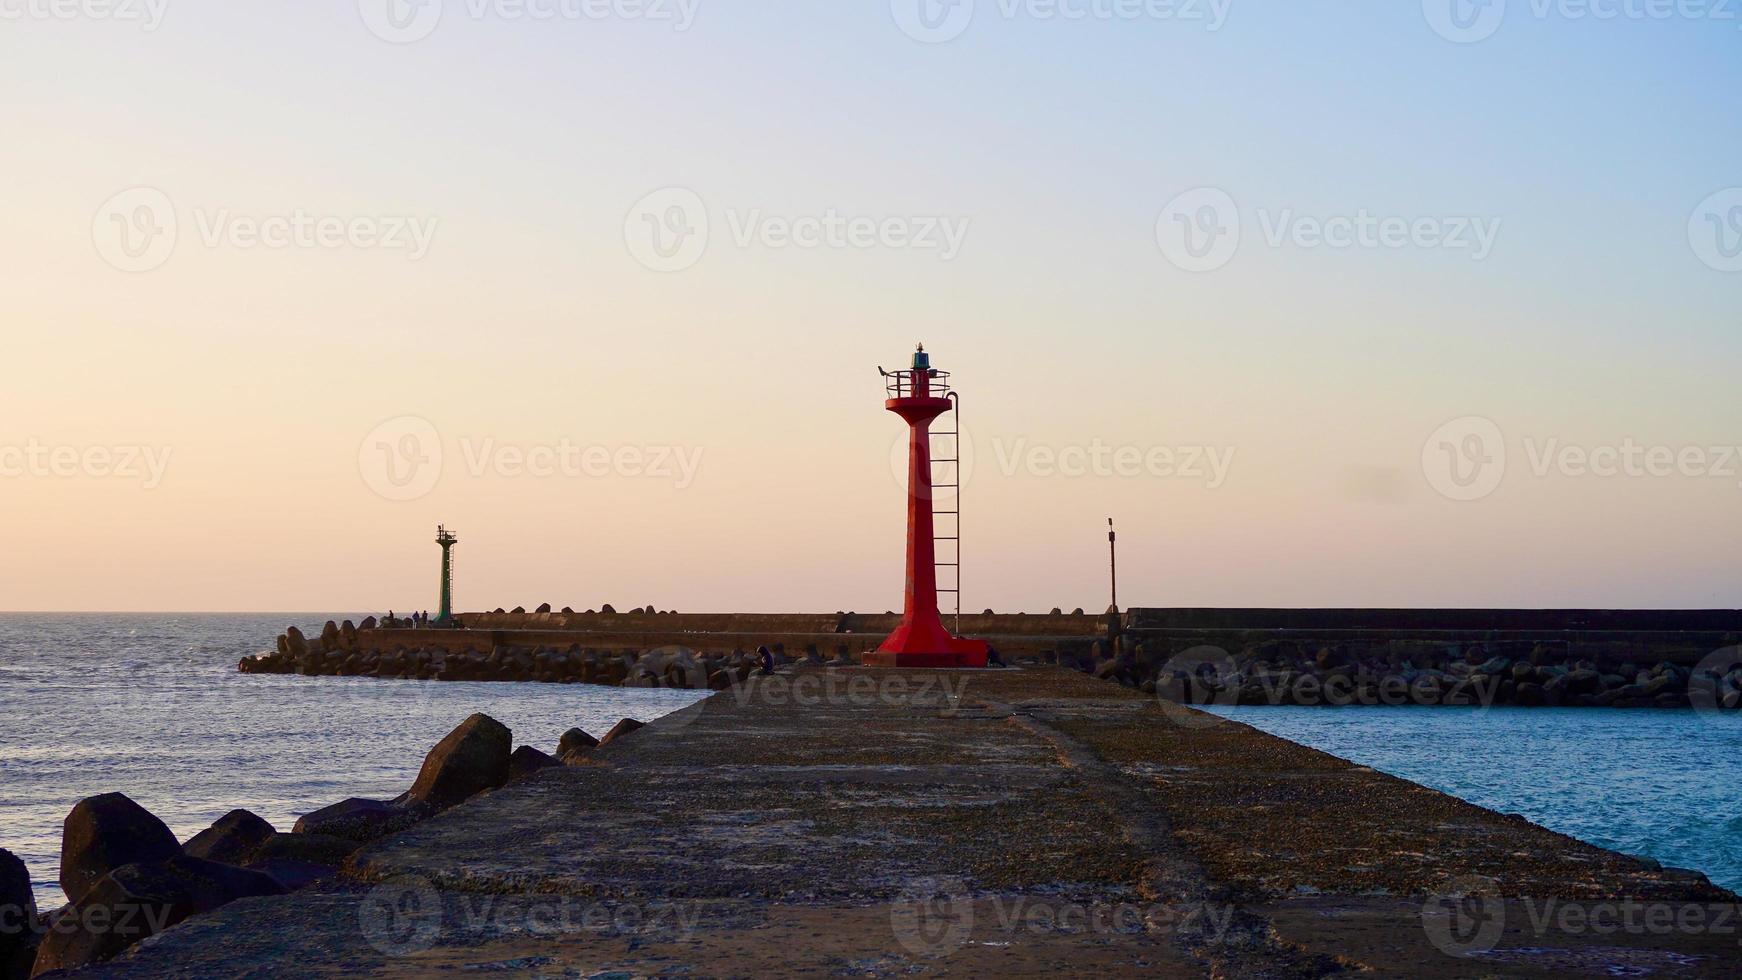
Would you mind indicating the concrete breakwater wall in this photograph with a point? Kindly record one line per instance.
(1422, 621)
(696, 652)
(1609, 637)
(1571, 658)
(857, 630)
(464, 655)
(1287, 673)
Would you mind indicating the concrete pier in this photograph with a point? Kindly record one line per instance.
(861, 822)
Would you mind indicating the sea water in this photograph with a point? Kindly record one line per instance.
(1659, 783)
(152, 706)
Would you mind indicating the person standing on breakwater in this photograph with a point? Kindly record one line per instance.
(767, 661)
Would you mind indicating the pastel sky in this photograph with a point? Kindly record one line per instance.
(285, 285)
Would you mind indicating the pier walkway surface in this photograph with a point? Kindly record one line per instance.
(858, 822)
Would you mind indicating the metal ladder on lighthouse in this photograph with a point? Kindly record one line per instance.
(950, 479)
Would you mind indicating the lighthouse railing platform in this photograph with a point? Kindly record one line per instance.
(900, 384)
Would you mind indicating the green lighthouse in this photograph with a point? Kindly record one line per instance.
(446, 538)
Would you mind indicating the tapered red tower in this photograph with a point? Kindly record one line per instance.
(920, 395)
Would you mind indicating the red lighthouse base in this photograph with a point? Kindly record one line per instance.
(972, 655)
(922, 644)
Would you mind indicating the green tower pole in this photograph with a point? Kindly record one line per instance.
(446, 539)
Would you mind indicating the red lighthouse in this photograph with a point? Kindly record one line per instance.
(918, 396)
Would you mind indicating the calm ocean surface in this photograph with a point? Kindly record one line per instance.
(1662, 784)
(152, 706)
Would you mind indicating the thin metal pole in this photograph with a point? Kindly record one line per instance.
(1113, 561)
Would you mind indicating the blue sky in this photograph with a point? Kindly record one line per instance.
(1587, 146)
